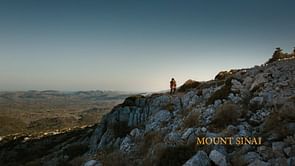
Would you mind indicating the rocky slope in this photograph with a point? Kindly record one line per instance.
(160, 129)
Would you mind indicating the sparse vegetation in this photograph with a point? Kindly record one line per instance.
(191, 120)
(75, 150)
(280, 116)
(130, 101)
(32, 112)
(116, 158)
(225, 74)
(169, 107)
(189, 84)
(221, 93)
(226, 114)
(238, 160)
(120, 129)
(175, 155)
(150, 138)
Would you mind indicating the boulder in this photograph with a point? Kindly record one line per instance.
(187, 133)
(126, 144)
(258, 162)
(277, 148)
(278, 161)
(172, 138)
(265, 152)
(251, 157)
(236, 85)
(92, 163)
(256, 102)
(218, 158)
(156, 120)
(135, 133)
(200, 159)
(248, 82)
(259, 81)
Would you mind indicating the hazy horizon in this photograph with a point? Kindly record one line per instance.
(135, 46)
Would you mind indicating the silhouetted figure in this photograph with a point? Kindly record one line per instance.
(172, 86)
(293, 51)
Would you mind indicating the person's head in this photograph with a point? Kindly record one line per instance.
(172, 79)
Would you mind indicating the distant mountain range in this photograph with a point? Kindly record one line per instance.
(53, 94)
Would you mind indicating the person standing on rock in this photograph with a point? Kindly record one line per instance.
(172, 86)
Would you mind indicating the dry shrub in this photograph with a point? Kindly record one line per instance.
(169, 107)
(75, 150)
(189, 84)
(120, 129)
(191, 120)
(221, 93)
(116, 158)
(226, 114)
(150, 139)
(238, 159)
(281, 116)
(176, 155)
(131, 101)
(287, 111)
(78, 161)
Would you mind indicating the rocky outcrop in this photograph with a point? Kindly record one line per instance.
(162, 129)
(260, 96)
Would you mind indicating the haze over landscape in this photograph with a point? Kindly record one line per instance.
(86, 83)
(135, 45)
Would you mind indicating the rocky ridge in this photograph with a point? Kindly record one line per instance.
(161, 129)
(252, 103)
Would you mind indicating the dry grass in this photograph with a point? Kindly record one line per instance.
(169, 107)
(149, 139)
(176, 155)
(131, 101)
(238, 160)
(116, 158)
(43, 111)
(281, 116)
(189, 84)
(226, 114)
(191, 120)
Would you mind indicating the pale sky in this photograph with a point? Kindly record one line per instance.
(135, 45)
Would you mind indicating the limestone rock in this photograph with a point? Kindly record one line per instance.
(251, 157)
(259, 80)
(126, 144)
(236, 85)
(200, 159)
(259, 163)
(218, 158)
(187, 133)
(92, 163)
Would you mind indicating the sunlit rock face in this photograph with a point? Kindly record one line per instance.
(261, 97)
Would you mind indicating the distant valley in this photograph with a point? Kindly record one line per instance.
(39, 112)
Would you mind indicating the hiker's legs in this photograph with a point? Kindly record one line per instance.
(171, 90)
(174, 89)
